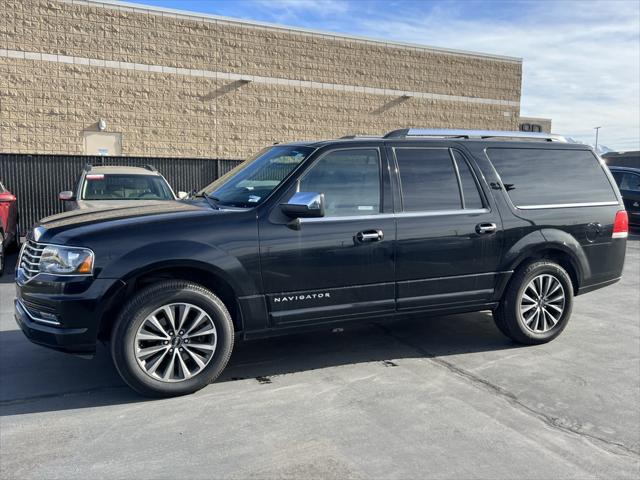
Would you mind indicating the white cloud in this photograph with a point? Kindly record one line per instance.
(581, 59)
(286, 11)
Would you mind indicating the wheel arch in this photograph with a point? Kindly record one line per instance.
(206, 275)
(563, 257)
(554, 245)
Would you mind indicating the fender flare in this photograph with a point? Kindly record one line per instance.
(545, 240)
(191, 254)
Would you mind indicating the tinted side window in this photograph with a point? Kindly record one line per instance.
(428, 179)
(470, 192)
(350, 181)
(631, 182)
(550, 177)
(617, 176)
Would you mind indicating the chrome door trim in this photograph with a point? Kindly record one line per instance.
(566, 205)
(433, 213)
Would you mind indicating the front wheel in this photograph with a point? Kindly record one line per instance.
(537, 304)
(172, 338)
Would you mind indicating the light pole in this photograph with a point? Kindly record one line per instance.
(596, 129)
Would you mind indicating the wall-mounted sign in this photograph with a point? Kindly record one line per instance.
(530, 127)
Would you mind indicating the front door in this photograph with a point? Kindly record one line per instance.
(449, 237)
(339, 266)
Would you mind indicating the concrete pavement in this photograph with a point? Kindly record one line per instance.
(446, 397)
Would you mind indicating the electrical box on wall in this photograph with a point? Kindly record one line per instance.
(102, 143)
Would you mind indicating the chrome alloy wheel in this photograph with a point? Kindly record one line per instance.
(542, 303)
(176, 342)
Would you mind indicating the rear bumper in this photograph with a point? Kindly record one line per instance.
(596, 286)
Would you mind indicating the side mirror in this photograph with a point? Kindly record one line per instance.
(304, 205)
(66, 196)
(182, 195)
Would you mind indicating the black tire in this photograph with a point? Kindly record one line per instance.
(15, 245)
(145, 302)
(2, 251)
(508, 316)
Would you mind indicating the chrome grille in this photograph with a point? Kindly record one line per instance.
(30, 259)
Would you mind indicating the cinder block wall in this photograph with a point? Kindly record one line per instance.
(197, 86)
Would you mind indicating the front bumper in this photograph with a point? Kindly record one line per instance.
(65, 316)
(73, 340)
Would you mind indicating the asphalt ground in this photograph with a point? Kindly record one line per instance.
(446, 397)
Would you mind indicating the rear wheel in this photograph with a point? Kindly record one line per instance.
(172, 338)
(537, 304)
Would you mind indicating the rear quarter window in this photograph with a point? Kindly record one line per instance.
(543, 177)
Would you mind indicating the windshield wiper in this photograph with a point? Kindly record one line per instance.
(212, 201)
(195, 194)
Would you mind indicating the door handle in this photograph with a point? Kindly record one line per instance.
(370, 236)
(486, 228)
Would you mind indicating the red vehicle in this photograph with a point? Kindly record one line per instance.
(9, 236)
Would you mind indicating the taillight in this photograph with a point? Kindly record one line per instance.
(621, 225)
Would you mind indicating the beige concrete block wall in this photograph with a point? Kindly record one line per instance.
(46, 105)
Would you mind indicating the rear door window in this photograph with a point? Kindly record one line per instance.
(544, 177)
(468, 183)
(428, 179)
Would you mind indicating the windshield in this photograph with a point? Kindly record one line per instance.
(125, 187)
(251, 182)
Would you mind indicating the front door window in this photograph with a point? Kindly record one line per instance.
(350, 181)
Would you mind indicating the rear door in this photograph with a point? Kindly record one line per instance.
(449, 238)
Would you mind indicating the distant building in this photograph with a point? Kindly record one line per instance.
(105, 78)
(534, 124)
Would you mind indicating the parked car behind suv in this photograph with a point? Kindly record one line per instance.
(112, 187)
(9, 231)
(628, 180)
(318, 234)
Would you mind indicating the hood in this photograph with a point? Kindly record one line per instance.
(98, 215)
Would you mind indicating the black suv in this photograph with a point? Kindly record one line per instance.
(316, 234)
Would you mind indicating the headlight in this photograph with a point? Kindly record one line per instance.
(59, 260)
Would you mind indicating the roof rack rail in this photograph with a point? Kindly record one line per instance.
(87, 167)
(347, 137)
(151, 168)
(451, 133)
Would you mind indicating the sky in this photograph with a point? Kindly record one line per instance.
(581, 58)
